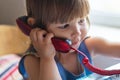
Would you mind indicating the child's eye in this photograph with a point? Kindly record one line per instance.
(64, 26)
(82, 21)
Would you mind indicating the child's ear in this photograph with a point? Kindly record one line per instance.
(31, 21)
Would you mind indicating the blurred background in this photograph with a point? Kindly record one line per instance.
(104, 18)
(10, 10)
(105, 23)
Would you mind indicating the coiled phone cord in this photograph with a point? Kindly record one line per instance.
(94, 69)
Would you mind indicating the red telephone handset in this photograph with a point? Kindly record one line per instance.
(22, 24)
(60, 44)
(63, 45)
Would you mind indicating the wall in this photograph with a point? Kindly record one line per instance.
(10, 10)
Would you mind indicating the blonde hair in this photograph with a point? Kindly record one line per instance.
(53, 11)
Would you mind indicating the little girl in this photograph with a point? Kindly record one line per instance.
(66, 19)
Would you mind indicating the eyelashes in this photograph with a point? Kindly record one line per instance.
(82, 21)
(64, 26)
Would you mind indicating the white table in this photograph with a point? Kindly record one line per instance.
(100, 77)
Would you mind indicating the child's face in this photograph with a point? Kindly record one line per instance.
(75, 30)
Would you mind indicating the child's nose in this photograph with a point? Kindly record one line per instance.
(76, 30)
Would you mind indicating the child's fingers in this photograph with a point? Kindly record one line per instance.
(33, 35)
(48, 37)
(41, 35)
(36, 36)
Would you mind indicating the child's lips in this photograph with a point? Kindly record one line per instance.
(75, 43)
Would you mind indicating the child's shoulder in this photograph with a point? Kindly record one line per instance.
(31, 64)
(89, 42)
(31, 59)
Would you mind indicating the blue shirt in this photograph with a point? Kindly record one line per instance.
(66, 75)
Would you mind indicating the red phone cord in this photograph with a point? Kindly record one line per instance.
(95, 69)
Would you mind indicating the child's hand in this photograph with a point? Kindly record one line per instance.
(41, 41)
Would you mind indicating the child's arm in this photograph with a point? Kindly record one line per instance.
(49, 70)
(103, 47)
(41, 70)
(44, 67)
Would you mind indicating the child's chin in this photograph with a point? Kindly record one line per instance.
(71, 51)
(75, 47)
